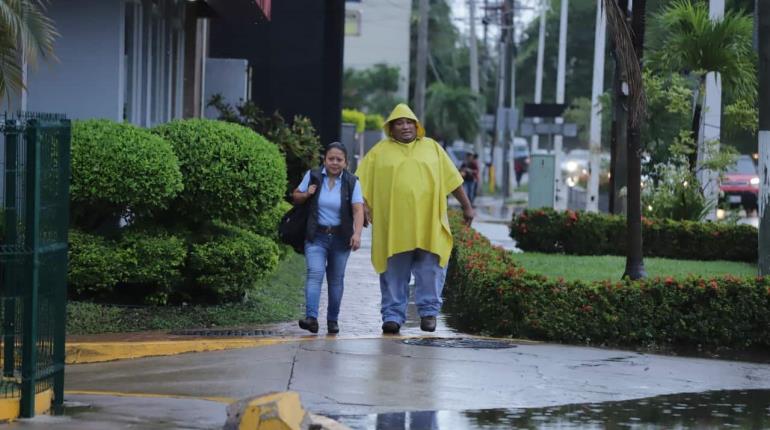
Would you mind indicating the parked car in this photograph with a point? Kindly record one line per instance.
(740, 184)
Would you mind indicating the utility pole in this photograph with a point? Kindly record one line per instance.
(506, 90)
(709, 127)
(474, 60)
(559, 191)
(422, 60)
(544, 6)
(592, 202)
(763, 43)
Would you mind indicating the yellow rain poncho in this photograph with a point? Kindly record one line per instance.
(406, 187)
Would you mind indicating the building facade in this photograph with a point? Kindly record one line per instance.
(378, 31)
(139, 61)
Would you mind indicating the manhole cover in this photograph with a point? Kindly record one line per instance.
(460, 343)
(225, 332)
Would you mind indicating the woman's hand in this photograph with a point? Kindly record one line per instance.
(355, 241)
(311, 189)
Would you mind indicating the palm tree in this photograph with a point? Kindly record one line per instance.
(687, 41)
(25, 33)
(452, 112)
(628, 47)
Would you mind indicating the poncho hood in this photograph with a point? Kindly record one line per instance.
(403, 111)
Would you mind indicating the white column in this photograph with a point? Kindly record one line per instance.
(711, 117)
(592, 202)
(560, 192)
(539, 69)
(474, 59)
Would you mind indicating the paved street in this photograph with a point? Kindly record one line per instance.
(362, 372)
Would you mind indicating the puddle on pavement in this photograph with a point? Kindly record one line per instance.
(744, 409)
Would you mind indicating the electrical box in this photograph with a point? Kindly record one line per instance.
(541, 180)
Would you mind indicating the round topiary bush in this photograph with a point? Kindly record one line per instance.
(230, 172)
(226, 267)
(119, 169)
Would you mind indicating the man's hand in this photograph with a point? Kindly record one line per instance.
(355, 242)
(367, 215)
(468, 212)
(468, 215)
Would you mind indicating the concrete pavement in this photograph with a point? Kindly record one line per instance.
(360, 371)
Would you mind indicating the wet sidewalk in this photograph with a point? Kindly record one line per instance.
(360, 373)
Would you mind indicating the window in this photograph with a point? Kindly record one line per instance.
(132, 49)
(352, 23)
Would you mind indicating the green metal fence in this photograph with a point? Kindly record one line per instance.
(35, 155)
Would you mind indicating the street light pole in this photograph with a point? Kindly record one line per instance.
(507, 59)
(422, 60)
(474, 60)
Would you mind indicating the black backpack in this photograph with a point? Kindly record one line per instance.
(291, 228)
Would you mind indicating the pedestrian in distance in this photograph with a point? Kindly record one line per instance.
(405, 179)
(469, 170)
(333, 229)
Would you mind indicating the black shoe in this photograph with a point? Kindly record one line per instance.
(310, 324)
(332, 327)
(390, 327)
(428, 323)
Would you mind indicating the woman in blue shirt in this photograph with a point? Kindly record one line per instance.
(334, 228)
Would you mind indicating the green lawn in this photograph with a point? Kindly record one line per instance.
(595, 268)
(277, 298)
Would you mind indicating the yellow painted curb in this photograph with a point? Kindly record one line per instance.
(10, 408)
(96, 352)
(225, 400)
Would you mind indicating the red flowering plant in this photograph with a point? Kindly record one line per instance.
(490, 293)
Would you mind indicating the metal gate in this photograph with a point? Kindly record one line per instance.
(35, 155)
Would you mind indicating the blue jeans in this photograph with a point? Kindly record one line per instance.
(326, 253)
(394, 285)
(470, 189)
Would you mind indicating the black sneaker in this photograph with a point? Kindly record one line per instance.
(332, 327)
(390, 327)
(428, 323)
(310, 324)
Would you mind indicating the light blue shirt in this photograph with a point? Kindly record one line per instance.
(330, 200)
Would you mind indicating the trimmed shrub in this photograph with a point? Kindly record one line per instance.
(227, 266)
(298, 141)
(489, 293)
(230, 172)
(94, 265)
(152, 263)
(266, 223)
(357, 118)
(582, 233)
(119, 169)
(140, 267)
(374, 122)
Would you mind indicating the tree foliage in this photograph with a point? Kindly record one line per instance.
(25, 33)
(373, 90)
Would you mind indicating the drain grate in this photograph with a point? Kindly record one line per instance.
(460, 342)
(224, 332)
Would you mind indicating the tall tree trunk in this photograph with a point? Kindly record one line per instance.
(634, 256)
(763, 42)
(618, 133)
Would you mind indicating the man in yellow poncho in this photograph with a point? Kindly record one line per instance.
(405, 179)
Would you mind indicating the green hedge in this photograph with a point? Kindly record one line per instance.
(117, 167)
(582, 233)
(489, 293)
(138, 267)
(230, 172)
(226, 267)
